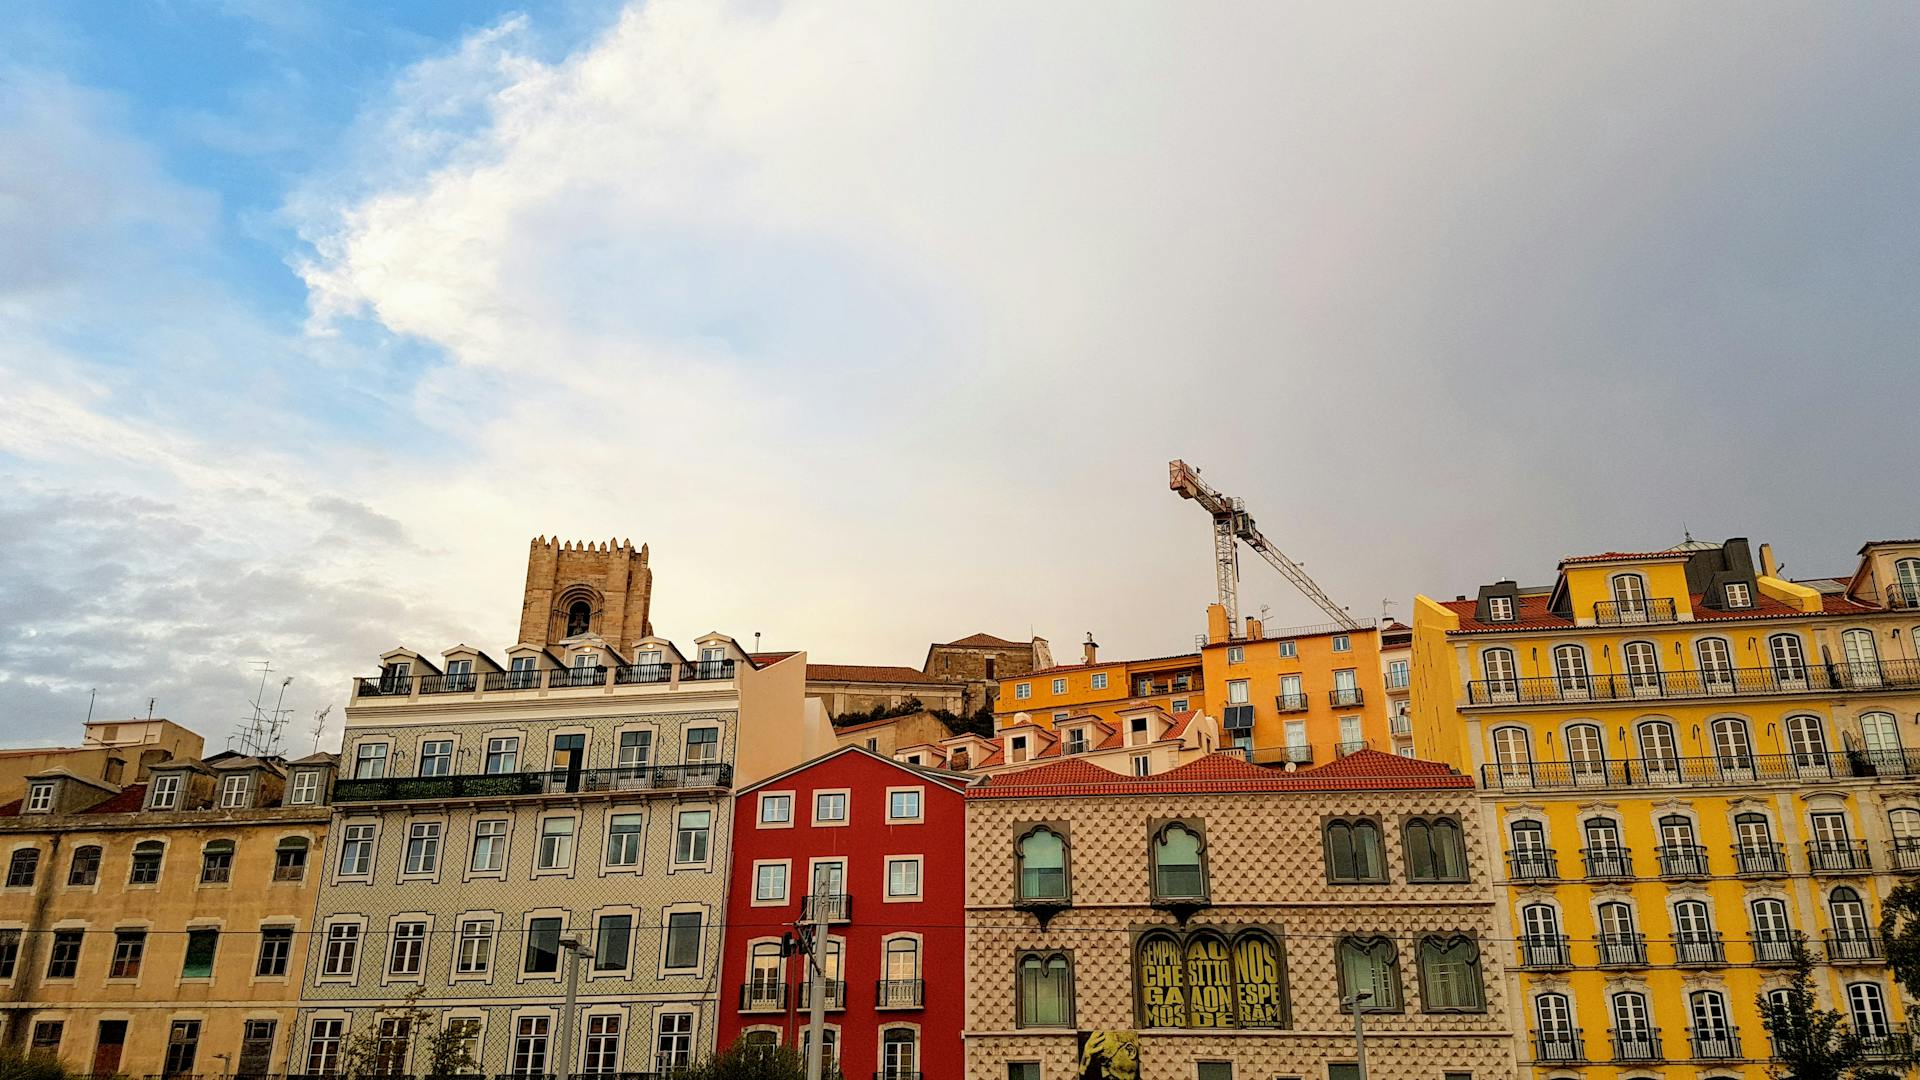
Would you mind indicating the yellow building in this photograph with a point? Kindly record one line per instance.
(1298, 695)
(1690, 760)
(1101, 689)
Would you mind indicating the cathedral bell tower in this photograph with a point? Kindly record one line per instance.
(601, 588)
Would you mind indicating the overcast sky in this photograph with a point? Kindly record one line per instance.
(879, 322)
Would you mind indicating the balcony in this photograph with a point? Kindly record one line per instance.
(704, 670)
(1682, 861)
(1903, 854)
(760, 996)
(1699, 948)
(1654, 609)
(642, 674)
(1886, 1043)
(1838, 856)
(1687, 772)
(521, 679)
(1559, 1045)
(401, 686)
(1299, 754)
(1345, 697)
(1608, 862)
(1772, 947)
(1621, 950)
(1532, 864)
(1713, 683)
(1903, 596)
(1401, 724)
(1637, 1044)
(1350, 746)
(835, 907)
(1288, 703)
(1545, 952)
(899, 994)
(1715, 1044)
(386, 686)
(522, 784)
(1759, 860)
(835, 997)
(1854, 947)
(458, 682)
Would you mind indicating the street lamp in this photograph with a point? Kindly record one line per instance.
(574, 950)
(1359, 1031)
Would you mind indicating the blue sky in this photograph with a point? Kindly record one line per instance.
(879, 322)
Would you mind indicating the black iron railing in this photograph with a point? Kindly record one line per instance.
(1290, 702)
(458, 682)
(1608, 862)
(1759, 860)
(1559, 1044)
(1903, 854)
(1699, 948)
(386, 686)
(1719, 769)
(1715, 1044)
(534, 679)
(1654, 609)
(1886, 1043)
(1903, 596)
(1546, 951)
(1345, 696)
(1711, 682)
(1682, 861)
(521, 679)
(759, 996)
(1622, 950)
(836, 907)
(1838, 856)
(636, 674)
(1636, 1044)
(570, 677)
(899, 994)
(1772, 947)
(707, 669)
(511, 785)
(1533, 864)
(1854, 947)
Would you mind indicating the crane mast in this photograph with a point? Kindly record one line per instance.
(1233, 525)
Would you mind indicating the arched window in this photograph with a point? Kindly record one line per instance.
(1694, 939)
(1732, 746)
(147, 855)
(1554, 1015)
(1712, 1034)
(1807, 740)
(899, 1054)
(1513, 752)
(1619, 943)
(1772, 931)
(1046, 990)
(579, 617)
(1179, 866)
(1570, 669)
(290, 859)
(1659, 751)
(1849, 916)
(1209, 981)
(1606, 857)
(85, 869)
(1435, 849)
(766, 977)
(1630, 1019)
(1629, 597)
(1906, 583)
(1716, 664)
(1354, 852)
(1867, 1009)
(1450, 974)
(1680, 852)
(1881, 736)
(1863, 657)
(1042, 858)
(1258, 980)
(1903, 825)
(1643, 666)
(1541, 942)
(1369, 966)
(216, 862)
(1160, 976)
(1530, 859)
(1789, 659)
(1497, 665)
(1587, 751)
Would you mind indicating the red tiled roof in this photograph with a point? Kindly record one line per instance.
(873, 673)
(1178, 729)
(130, 799)
(1882, 543)
(12, 809)
(1368, 770)
(986, 641)
(1613, 556)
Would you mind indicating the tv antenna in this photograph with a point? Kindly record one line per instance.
(259, 733)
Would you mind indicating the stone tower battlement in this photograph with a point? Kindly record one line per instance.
(601, 587)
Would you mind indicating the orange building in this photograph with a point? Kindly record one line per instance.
(1100, 688)
(1298, 695)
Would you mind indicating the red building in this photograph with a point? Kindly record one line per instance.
(881, 848)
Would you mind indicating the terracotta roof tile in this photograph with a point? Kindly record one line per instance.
(1611, 556)
(130, 799)
(1530, 613)
(986, 641)
(1223, 774)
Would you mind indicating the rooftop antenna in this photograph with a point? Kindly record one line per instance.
(150, 702)
(91, 694)
(319, 725)
(756, 641)
(259, 732)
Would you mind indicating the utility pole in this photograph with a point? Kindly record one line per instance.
(1359, 1032)
(817, 987)
(574, 951)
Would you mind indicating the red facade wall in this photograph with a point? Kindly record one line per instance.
(865, 842)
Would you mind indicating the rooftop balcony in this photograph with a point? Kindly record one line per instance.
(526, 679)
(1684, 772)
(1779, 679)
(665, 778)
(1903, 596)
(1654, 609)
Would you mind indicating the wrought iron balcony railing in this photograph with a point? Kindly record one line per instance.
(1772, 947)
(1699, 948)
(835, 997)
(899, 994)
(1290, 702)
(835, 907)
(1608, 862)
(517, 679)
(1838, 856)
(1760, 860)
(1710, 771)
(1532, 864)
(565, 678)
(1636, 1044)
(640, 674)
(1854, 947)
(1654, 609)
(1886, 1043)
(1400, 724)
(762, 996)
(516, 784)
(1345, 696)
(1903, 596)
(1545, 951)
(1709, 683)
(1682, 861)
(1903, 854)
(1563, 1044)
(1622, 950)
(1299, 754)
(1715, 1043)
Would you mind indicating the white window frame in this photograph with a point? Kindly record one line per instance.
(39, 798)
(846, 806)
(1741, 599)
(359, 937)
(305, 788)
(387, 974)
(489, 919)
(1059, 686)
(1142, 764)
(919, 864)
(166, 792)
(1499, 609)
(1236, 654)
(373, 851)
(434, 838)
(1099, 680)
(786, 883)
(572, 845)
(919, 805)
(506, 848)
(1022, 691)
(674, 864)
(769, 799)
(607, 865)
(1342, 643)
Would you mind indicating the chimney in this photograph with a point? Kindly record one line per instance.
(1090, 650)
(1256, 631)
(1768, 568)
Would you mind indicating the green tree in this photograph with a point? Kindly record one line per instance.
(746, 1061)
(1810, 1042)
(406, 1038)
(1900, 929)
(34, 1067)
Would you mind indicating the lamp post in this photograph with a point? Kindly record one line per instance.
(574, 950)
(1359, 1031)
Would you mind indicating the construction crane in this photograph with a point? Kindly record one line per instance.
(1232, 524)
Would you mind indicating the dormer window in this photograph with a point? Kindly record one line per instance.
(1077, 741)
(579, 617)
(1499, 609)
(40, 799)
(1738, 595)
(233, 791)
(166, 793)
(1137, 730)
(305, 790)
(1017, 748)
(397, 677)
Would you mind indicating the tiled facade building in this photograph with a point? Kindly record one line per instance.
(1212, 919)
(879, 849)
(1689, 760)
(495, 824)
(159, 927)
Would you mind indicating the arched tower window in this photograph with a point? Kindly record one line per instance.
(579, 617)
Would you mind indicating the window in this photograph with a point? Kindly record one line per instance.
(579, 617)
(391, 1039)
(1435, 850)
(1022, 691)
(183, 1046)
(202, 944)
(603, 1045)
(323, 1046)
(1142, 765)
(1237, 692)
(612, 942)
(1369, 966)
(129, 949)
(166, 792)
(530, 1046)
(1643, 666)
(1059, 686)
(473, 952)
(489, 845)
(436, 757)
(900, 968)
(543, 947)
(1862, 656)
(1046, 990)
(770, 881)
(46, 1038)
(356, 851)
(1738, 595)
(556, 844)
(636, 750)
(1342, 643)
(903, 878)
(85, 868)
(423, 848)
(830, 806)
(503, 755)
(22, 868)
(673, 1049)
(1497, 667)
(1731, 743)
(39, 798)
(1450, 974)
(776, 809)
(1570, 669)
(276, 946)
(1867, 1008)
(624, 834)
(342, 951)
(1041, 856)
(703, 746)
(1289, 649)
(9, 952)
(63, 958)
(1881, 736)
(1076, 741)
(683, 939)
(1099, 680)
(290, 859)
(233, 791)
(903, 805)
(370, 761)
(1179, 871)
(406, 954)
(899, 1057)
(1849, 916)
(306, 788)
(1499, 609)
(1180, 705)
(690, 837)
(1399, 674)
(1789, 658)
(1236, 654)
(216, 863)
(1213, 1070)
(1354, 851)
(1807, 740)
(1716, 663)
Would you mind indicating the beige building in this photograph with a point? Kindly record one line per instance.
(1210, 921)
(116, 751)
(1139, 740)
(159, 927)
(1396, 674)
(891, 736)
